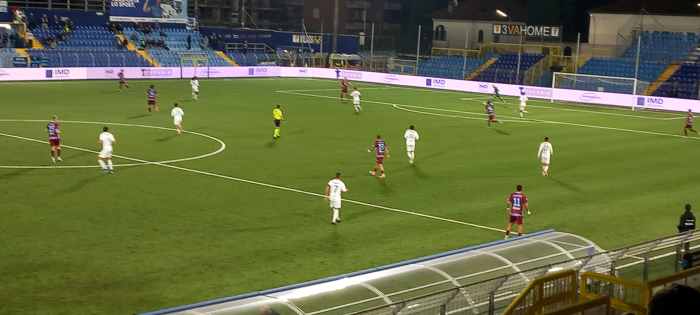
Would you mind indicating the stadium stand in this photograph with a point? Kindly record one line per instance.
(658, 51)
(6, 56)
(451, 67)
(504, 69)
(169, 43)
(684, 83)
(251, 59)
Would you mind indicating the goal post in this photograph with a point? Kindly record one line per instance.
(598, 83)
(198, 61)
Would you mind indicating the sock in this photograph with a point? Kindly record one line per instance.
(521, 114)
(109, 164)
(58, 153)
(102, 164)
(336, 214)
(546, 168)
(357, 108)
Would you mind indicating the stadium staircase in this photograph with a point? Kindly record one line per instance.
(144, 54)
(228, 59)
(504, 70)
(481, 68)
(665, 75)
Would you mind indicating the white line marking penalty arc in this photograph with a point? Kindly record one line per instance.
(284, 188)
(221, 148)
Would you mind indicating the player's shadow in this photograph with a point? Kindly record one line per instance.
(79, 185)
(354, 215)
(418, 171)
(386, 189)
(501, 132)
(167, 138)
(566, 185)
(138, 116)
(16, 173)
(271, 144)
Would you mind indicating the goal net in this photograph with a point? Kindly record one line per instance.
(598, 83)
(194, 64)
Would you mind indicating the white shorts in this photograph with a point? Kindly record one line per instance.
(106, 153)
(410, 147)
(177, 121)
(356, 103)
(522, 105)
(335, 204)
(544, 159)
(195, 90)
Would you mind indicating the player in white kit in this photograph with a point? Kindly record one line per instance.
(523, 102)
(544, 154)
(177, 113)
(356, 100)
(411, 136)
(195, 88)
(105, 156)
(334, 189)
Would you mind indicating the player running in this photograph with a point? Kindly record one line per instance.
(544, 154)
(334, 189)
(105, 156)
(277, 118)
(381, 150)
(177, 113)
(195, 88)
(152, 96)
(122, 80)
(54, 130)
(497, 93)
(523, 102)
(689, 123)
(517, 202)
(356, 100)
(344, 85)
(491, 112)
(411, 136)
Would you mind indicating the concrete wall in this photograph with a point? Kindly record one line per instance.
(615, 29)
(464, 34)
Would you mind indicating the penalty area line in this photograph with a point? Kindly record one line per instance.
(278, 187)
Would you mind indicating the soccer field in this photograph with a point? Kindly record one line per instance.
(223, 209)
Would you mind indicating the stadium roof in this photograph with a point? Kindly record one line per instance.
(479, 10)
(665, 7)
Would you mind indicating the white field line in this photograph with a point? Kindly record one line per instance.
(222, 145)
(526, 120)
(248, 181)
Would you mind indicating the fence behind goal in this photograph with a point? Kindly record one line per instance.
(598, 83)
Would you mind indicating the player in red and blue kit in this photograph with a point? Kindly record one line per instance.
(151, 94)
(381, 150)
(689, 123)
(344, 85)
(517, 202)
(54, 131)
(122, 80)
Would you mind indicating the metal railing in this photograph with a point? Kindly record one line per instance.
(83, 5)
(633, 263)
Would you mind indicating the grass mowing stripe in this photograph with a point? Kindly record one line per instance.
(248, 181)
(397, 106)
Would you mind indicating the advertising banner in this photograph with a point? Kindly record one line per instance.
(161, 11)
(543, 93)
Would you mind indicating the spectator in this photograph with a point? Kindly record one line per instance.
(45, 22)
(189, 42)
(676, 300)
(686, 223)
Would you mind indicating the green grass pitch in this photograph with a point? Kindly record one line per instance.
(76, 241)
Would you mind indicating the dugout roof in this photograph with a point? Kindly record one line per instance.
(471, 268)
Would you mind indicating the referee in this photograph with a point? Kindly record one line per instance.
(686, 223)
(277, 117)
